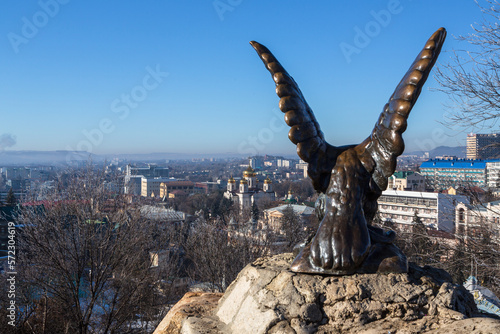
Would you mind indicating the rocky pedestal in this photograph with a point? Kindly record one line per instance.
(193, 304)
(268, 298)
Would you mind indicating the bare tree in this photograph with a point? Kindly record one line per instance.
(417, 245)
(85, 263)
(219, 255)
(477, 247)
(302, 188)
(473, 249)
(265, 203)
(472, 77)
(294, 229)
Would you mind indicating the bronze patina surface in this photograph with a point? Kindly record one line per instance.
(351, 178)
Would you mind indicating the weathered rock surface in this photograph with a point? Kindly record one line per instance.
(193, 304)
(268, 298)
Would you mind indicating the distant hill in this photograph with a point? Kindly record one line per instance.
(458, 151)
(43, 157)
(56, 158)
(170, 156)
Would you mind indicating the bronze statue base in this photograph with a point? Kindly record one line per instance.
(383, 257)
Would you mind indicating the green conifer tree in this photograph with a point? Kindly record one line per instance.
(11, 199)
(255, 211)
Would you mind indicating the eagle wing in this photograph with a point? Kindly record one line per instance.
(305, 131)
(379, 152)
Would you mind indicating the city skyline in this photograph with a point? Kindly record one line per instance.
(176, 77)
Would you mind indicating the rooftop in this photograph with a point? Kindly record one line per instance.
(178, 183)
(456, 163)
(298, 209)
(402, 174)
(421, 194)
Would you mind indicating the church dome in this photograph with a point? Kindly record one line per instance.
(243, 181)
(290, 199)
(231, 180)
(249, 172)
(268, 181)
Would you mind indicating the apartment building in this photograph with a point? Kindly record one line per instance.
(436, 210)
(442, 174)
(483, 146)
(151, 171)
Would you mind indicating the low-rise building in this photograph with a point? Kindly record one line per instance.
(406, 180)
(167, 188)
(150, 187)
(273, 216)
(20, 195)
(208, 187)
(436, 210)
(478, 218)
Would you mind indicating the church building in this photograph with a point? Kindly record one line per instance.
(248, 190)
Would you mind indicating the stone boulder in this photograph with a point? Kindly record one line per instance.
(196, 304)
(267, 297)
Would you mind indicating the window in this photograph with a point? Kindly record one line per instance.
(461, 216)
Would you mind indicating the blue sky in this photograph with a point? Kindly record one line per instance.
(180, 76)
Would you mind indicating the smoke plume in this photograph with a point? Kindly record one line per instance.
(7, 140)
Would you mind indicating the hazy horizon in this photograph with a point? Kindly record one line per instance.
(292, 155)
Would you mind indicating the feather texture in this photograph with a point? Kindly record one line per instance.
(305, 131)
(386, 143)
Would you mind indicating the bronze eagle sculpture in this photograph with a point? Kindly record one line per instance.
(351, 178)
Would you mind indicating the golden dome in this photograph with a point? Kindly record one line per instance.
(268, 180)
(243, 181)
(249, 172)
(231, 180)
